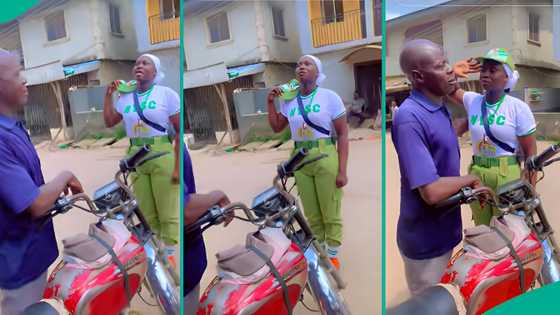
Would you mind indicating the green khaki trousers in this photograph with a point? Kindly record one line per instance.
(321, 199)
(493, 177)
(158, 197)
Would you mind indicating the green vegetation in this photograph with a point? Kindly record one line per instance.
(257, 135)
(117, 132)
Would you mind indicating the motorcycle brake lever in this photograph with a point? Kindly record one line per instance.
(547, 163)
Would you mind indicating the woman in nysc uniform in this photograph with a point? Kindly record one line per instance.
(509, 130)
(319, 184)
(155, 183)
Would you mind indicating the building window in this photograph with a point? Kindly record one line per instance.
(218, 27)
(333, 11)
(170, 9)
(432, 31)
(115, 19)
(534, 27)
(55, 25)
(476, 27)
(278, 22)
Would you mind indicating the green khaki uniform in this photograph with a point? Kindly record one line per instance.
(158, 197)
(493, 173)
(316, 183)
(495, 132)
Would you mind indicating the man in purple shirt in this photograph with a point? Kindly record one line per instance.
(27, 248)
(196, 205)
(429, 161)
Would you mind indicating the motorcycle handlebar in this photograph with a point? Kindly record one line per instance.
(454, 200)
(131, 162)
(215, 215)
(64, 204)
(537, 162)
(468, 195)
(285, 169)
(206, 218)
(289, 166)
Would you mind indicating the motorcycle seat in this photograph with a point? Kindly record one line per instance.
(487, 239)
(486, 243)
(242, 260)
(86, 247)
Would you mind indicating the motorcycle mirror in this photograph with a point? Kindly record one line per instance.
(313, 160)
(151, 157)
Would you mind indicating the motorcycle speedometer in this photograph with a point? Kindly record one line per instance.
(268, 202)
(109, 196)
(514, 192)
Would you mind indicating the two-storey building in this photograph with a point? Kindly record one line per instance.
(467, 28)
(346, 36)
(65, 44)
(230, 45)
(158, 31)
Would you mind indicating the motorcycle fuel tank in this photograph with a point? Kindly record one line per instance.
(486, 283)
(262, 297)
(98, 289)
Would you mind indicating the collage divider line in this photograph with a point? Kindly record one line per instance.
(182, 148)
(383, 158)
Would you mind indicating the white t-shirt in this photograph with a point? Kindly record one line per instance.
(322, 107)
(158, 103)
(508, 119)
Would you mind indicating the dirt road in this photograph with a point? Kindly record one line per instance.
(243, 175)
(93, 168)
(396, 284)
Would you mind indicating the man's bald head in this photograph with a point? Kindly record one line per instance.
(426, 66)
(14, 92)
(8, 60)
(418, 52)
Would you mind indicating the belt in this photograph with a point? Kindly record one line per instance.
(314, 143)
(493, 161)
(153, 140)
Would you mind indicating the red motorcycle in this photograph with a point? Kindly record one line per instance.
(270, 272)
(101, 271)
(500, 261)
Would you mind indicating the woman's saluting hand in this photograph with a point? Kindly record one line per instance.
(111, 88)
(275, 92)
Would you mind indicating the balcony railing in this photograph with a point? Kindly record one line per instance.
(334, 30)
(164, 28)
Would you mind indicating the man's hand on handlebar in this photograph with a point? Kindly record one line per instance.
(222, 201)
(475, 181)
(445, 187)
(198, 204)
(73, 185)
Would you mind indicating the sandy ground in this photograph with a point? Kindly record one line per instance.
(244, 175)
(396, 289)
(93, 168)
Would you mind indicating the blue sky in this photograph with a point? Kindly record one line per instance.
(396, 8)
